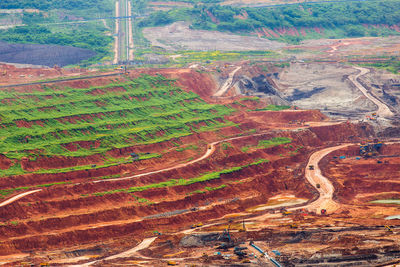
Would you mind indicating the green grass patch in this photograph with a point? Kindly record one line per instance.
(259, 161)
(6, 192)
(145, 110)
(253, 98)
(225, 146)
(262, 144)
(190, 147)
(391, 65)
(272, 108)
(183, 182)
(206, 189)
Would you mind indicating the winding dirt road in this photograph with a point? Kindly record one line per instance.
(129, 253)
(210, 150)
(315, 177)
(228, 83)
(383, 109)
(15, 198)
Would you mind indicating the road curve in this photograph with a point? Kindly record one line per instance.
(210, 150)
(15, 198)
(383, 109)
(228, 83)
(315, 177)
(129, 253)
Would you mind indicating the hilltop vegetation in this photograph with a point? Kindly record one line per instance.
(291, 22)
(62, 23)
(105, 5)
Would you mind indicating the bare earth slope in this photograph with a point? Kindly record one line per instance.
(149, 169)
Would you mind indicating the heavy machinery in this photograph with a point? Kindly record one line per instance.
(265, 254)
(371, 148)
(287, 212)
(243, 229)
(196, 225)
(226, 239)
(122, 68)
(239, 252)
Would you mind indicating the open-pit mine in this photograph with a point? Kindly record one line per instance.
(226, 164)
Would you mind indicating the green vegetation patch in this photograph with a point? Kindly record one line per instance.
(181, 58)
(291, 23)
(391, 65)
(207, 189)
(182, 182)
(5, 192)
(272, 108)
(262, 144)
(68, 23)
(78, 122)
(252, 98)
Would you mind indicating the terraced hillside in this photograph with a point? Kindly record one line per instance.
(72, 123)
(91, 168)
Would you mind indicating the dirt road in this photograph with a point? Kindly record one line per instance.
(314, 177)
(325, 188)
(227, 84)
(383, 110)
(210, 150)
(129, 253)
(15, 198)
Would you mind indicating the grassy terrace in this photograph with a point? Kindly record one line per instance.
(144, 110)
(276, 141)
(174, 182)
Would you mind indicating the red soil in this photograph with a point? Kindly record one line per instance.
(22, 123)
(104, 91)
(5, 162)
(15, 75)
(62, 216)
(352, 177)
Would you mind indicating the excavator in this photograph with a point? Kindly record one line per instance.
(122, 68)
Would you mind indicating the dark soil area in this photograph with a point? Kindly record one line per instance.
(47, 55)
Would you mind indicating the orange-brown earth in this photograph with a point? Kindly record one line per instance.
(358, 181)
(10, 74)
(92, 215)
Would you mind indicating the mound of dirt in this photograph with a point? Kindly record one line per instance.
(46, 55)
